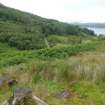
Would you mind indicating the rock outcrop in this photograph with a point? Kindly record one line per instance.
(63, 95)
(21, 96)
(24, 96)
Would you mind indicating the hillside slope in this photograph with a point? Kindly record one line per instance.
(27, 31)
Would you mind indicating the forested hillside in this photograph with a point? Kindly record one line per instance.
(27, 31)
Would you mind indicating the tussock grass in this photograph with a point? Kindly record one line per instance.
(82, 74)
(87, 66)
(76, 68)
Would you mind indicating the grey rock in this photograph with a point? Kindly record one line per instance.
(63, 95)
(22, 92)
(1, 82)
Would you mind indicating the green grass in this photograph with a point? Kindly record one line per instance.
(11, 56)
(92, 92)
(78, 69)
(45, 78)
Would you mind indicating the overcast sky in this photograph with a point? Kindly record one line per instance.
(63, 10)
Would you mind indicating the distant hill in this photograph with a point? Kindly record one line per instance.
(28, 31)
(96, 25)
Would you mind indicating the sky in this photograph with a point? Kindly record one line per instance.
(63, 10)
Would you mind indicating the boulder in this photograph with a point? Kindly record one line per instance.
(22, 92)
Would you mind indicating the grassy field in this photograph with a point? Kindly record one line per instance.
(82, 75)
(78, 69)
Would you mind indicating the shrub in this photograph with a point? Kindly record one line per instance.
(64, 51)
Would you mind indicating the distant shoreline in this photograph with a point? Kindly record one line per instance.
(98, 30)
(95, 25)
